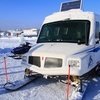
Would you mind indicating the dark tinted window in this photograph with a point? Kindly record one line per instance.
(65, 31)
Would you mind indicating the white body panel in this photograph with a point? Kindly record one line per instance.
(86, 56)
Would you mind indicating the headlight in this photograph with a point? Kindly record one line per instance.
(24, 58)
(73, 63)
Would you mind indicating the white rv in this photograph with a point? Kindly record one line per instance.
(67, 38)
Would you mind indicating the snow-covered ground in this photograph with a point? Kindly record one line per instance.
(40, 89)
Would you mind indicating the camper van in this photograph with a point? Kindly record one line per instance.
(68, 38)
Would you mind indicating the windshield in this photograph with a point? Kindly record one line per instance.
(76, 31)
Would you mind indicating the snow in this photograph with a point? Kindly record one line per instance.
(40, 89)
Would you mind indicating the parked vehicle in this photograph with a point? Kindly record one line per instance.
(67, 39)
(17, 52)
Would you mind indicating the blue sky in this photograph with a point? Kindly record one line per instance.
(31, 13)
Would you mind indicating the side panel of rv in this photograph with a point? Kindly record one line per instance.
(97, 39)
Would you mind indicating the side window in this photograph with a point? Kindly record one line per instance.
(97, 30)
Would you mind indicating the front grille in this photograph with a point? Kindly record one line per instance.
(53, 62)
(34, 60)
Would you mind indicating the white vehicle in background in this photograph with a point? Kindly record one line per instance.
(70, 37)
